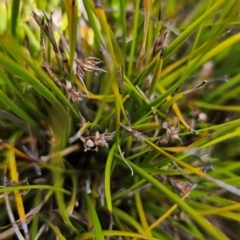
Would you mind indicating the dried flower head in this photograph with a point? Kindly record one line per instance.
(180, 186)
(46, 28)
(138, 135)
(181, 216)
(171, 133)
(89, 144)
(158, 44)
(73, 94)
(92, 142)
(80, 66)
(89, 64)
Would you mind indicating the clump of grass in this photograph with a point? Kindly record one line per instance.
(119, 120)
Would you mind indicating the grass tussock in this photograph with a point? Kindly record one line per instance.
(119, 119)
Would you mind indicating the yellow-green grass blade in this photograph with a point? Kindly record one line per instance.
(210, 229)
(129, 220)
(16, 110)
(15, 10)
(13, 49)
(3, 17)
(115, 233)
(72, 14)
(133, 43)
(89, 6)
(107, 179)
(55, 229)
(181, 38)
(96, 224)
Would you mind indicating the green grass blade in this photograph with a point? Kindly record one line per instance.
(18, 111)
(107, 179)
(96, 224)
(194, 214)
(15, 9)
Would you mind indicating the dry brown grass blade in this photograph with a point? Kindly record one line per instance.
(16, 224)
(15, 227)
(45, 64)
(47, 29)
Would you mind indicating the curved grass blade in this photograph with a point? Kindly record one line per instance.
(141, 214)
(115, 233)
(126, 191)
(218, 107)
(96, 224)
(16, 120)
(194, 214)
(227, 187)
(14, 49)
(18, 111)
(89, 6)
(29, 187)
(107, 179)
(54, 228)
(105, 28)
(199, 60)
(181, 39)
(24, 74)
(10, 84)
(72, 202)
(129, 220)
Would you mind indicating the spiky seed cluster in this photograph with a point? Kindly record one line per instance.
(158, 44)
(171, 133)
(91, 143)
(73, 94)
(80, 66)
(180, 186)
